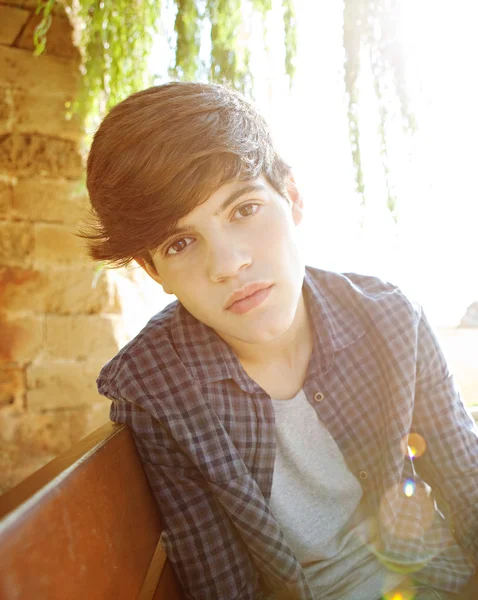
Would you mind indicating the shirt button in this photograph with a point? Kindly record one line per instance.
(363, 475)
(318, 396)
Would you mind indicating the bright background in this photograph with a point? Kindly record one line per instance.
(432, 251)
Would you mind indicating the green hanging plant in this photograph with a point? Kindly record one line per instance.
(44, 8)
(188, 31)
(372, 25)
(227, 60)
(115, 38)
(290, 38)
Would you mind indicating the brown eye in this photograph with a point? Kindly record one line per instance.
(178, 246)
(246, 210)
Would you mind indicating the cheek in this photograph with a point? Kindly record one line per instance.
(282, 240)
(274, 232)
(180, 276)
(194, 292)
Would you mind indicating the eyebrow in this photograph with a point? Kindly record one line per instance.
(248, 189)
(237, 194)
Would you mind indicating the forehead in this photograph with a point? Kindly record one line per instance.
(225, 196)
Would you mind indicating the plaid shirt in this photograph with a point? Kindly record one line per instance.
(205, 434)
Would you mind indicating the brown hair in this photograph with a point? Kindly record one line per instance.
(160, 153)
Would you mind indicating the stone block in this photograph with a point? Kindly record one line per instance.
(93, 337)
(40, 199)
(22, 338)
(17, 3)
(58, 245)
(21, 69)
(22, 450)
(12, 20)
(12, 385)
(26, 155)
(53, 291)
(55, 384)
(6, 111)
(59, 40)
(19, 289)
(54, 430)
(6, 199)
(16, 243)
(30, 439)
(45, 115)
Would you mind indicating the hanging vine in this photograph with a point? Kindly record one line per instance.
(188, 33)
(115, 38)
(290, 38)
(45, 9)
(371, 25)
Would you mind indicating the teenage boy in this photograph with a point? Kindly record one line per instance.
(297, 426)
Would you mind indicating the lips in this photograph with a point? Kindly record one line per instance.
(250, 292)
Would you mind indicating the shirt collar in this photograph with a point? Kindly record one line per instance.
(208, 358)
(335, 325)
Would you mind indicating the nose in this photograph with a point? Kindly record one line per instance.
(225, 259)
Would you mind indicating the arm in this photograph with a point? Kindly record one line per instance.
(209, 558)
(450, 461)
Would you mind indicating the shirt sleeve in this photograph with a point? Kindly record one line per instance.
(207, 555)
(449, 462)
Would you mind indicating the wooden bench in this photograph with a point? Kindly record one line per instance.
(85, 527)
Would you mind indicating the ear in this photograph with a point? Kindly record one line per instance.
(152, 272)
(296, 198)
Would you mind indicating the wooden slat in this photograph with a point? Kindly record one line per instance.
(154, 573)
(168, 587)
(84, 526)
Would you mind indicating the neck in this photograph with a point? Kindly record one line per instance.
(292, 346)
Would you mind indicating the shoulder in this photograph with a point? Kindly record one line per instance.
(146, 353)
(366, 285)
(370, 298)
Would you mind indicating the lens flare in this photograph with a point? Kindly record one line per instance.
(420, 503)
(405, 591)
(413, 445)
(398, 595)
(409, 488)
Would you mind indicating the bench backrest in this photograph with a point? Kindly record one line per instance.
(85, 526)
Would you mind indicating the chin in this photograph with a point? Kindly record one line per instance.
(262, 333)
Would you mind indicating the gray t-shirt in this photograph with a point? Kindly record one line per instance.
(317, 502)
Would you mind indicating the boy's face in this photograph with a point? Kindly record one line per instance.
(245, 233)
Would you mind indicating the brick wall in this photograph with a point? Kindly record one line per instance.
(58, 325)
